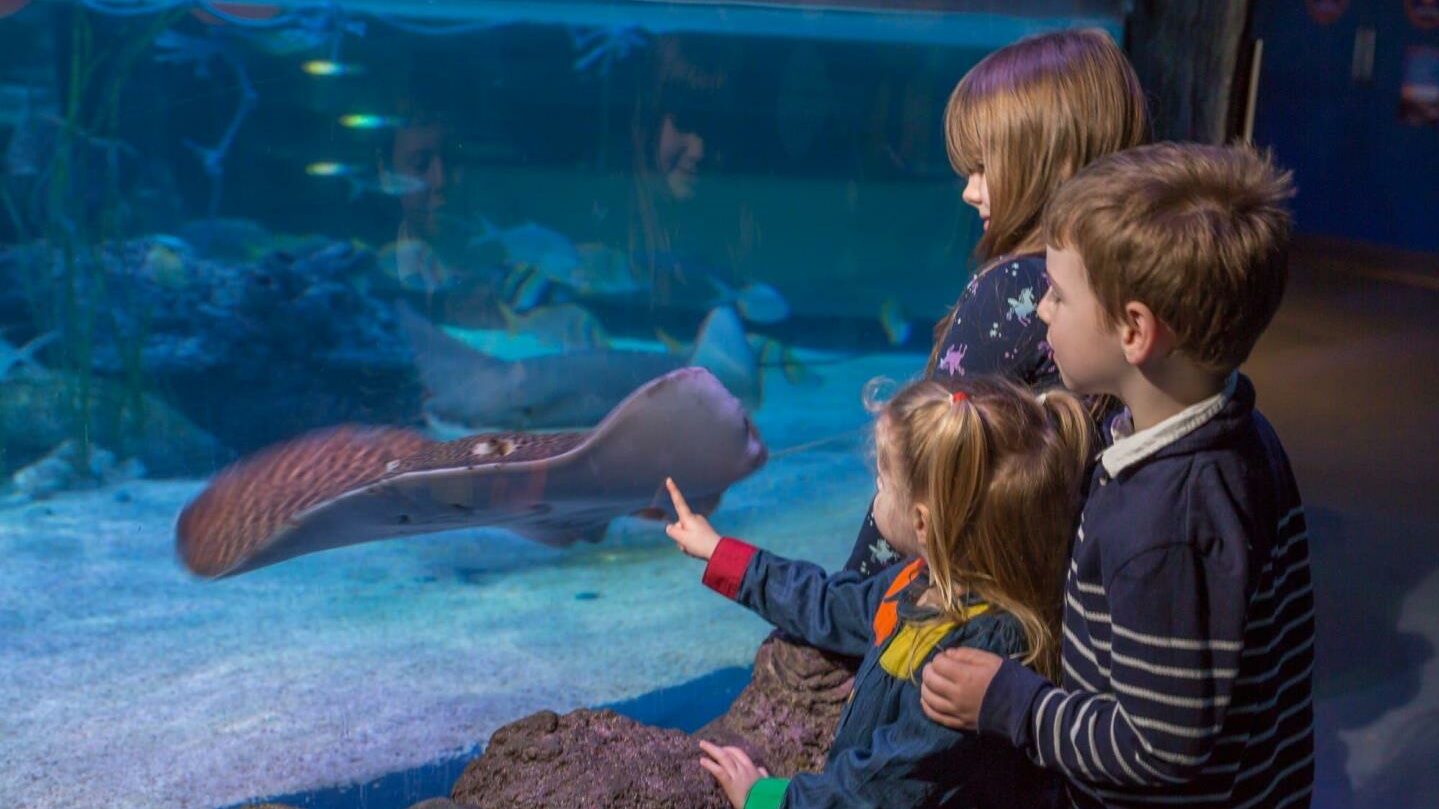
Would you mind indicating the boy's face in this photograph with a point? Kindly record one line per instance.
(421, 152)
(1086, 349)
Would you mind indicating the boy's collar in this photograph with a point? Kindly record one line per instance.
(1129, 448)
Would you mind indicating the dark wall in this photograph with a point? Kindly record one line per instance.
(1362, 173)
(1185, 52)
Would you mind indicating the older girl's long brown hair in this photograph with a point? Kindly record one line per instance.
(1030, 115)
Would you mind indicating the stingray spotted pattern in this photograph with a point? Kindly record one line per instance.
(353, 484)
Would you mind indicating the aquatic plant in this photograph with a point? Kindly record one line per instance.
(599, 49)
(76, 208)
(177, 48)
(298, 30)
(603, 46)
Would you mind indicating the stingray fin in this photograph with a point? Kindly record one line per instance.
(671, 345)
(442, 360)
(662, 508)
(722, 348)
(705, 505)
(562, 534)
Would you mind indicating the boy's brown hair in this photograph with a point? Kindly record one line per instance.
(1197, 233)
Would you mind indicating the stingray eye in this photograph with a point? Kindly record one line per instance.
(504, 446)
(483, 448)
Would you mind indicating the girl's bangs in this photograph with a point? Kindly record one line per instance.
(962, 136)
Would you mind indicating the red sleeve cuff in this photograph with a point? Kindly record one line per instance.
(725, 571)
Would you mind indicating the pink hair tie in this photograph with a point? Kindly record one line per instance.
(958, 397)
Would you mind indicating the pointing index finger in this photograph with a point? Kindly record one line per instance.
(681, 507)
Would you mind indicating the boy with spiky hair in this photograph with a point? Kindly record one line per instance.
(1189, 617)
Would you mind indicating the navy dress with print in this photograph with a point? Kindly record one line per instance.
(995, 330)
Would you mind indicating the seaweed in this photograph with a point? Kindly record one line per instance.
(64, 282)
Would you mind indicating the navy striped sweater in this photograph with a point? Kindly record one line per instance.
(1188, 648)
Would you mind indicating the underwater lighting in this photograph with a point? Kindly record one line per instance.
(325, 67)
(326, 169)
(367, 121)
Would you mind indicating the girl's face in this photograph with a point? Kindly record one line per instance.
(679, 155)
(976, 193)
(893, 508)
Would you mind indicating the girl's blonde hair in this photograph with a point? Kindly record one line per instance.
(999, 471)
(1030, 115)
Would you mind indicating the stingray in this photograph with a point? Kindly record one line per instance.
(351, 484)
(569, 390)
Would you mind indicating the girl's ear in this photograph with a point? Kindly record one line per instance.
(920, 515)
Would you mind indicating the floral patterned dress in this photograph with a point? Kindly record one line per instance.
(996, 330)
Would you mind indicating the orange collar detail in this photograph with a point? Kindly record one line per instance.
(886, 618)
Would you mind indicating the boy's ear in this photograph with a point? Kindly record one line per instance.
(1143, 336)
(920, 515)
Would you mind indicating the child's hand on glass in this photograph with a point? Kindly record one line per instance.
(733, 769)
(955, 682)
(692, 533)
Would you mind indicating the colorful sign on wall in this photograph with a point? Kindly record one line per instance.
(1423, 14)
(1419, 95)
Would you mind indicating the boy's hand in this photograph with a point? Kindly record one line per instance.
(733, 769)
(692, 533)
(955, 682)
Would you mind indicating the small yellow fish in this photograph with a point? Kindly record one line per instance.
(325, 67)
(166, 262)
(525, 287)
(896, 327)
(326, 168)
(774, 354)
(364, 120)
(671, 344)
(566, 325)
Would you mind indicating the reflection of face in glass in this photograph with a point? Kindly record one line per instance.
(420, 152)
(679, 153)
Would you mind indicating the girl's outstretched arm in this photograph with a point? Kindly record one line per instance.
(834, 613)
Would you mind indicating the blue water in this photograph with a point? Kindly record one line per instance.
(209, 218)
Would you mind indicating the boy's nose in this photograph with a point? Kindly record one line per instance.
(1044, 308)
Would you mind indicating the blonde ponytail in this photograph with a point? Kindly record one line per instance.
(1073, 424)
(958, 472)
(998, 469)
